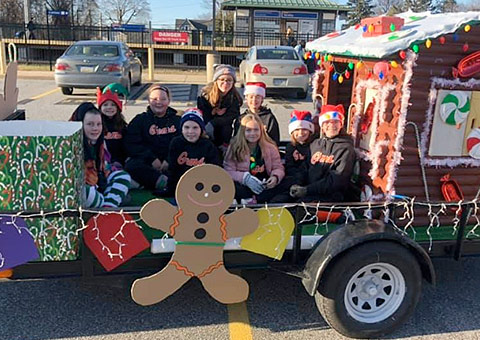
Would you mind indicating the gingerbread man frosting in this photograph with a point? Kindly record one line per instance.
(200, 229)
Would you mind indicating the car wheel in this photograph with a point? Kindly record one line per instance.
(301, 94)
(371, 290)
(67, 90)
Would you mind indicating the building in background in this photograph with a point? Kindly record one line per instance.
(266, 22)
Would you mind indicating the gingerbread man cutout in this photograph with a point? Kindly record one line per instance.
(200, 229)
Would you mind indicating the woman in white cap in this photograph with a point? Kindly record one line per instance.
(220, 103)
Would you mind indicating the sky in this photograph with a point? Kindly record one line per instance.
(165, 12)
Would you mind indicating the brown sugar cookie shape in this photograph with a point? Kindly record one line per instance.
(200, 229)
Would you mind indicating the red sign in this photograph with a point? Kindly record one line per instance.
(170, 36)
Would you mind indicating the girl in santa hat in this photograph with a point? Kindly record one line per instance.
(301, 130)
(254, 96)
(331, 160)
(115, 126)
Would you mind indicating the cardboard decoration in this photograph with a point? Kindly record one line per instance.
(200, 229)
(275, 225)
(39, 171)
(473, 143)
(16, 243)
(8, 101)
(114, 239)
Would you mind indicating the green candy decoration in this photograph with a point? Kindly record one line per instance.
(392, 27)
(350, 65)
(415, 48)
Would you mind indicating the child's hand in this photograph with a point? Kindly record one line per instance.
(271, 182)
(157, 164)
(297, 191)
(220, 112)
(164, 166)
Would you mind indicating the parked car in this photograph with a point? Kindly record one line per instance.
(92, 63)
(279, 67)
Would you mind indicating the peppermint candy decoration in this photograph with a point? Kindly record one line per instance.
(473, 143)
(455, 107)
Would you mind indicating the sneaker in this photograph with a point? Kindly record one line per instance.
(247, 201)
(234, 202)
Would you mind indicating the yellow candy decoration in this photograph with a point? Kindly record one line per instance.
(467, 28)
(340, 79)
(428, 43)
(394, 64)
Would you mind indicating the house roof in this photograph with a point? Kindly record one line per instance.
(418, 27)
(312, 5)
(193, 24)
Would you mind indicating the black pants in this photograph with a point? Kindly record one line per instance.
(143, 173)
(279, 194)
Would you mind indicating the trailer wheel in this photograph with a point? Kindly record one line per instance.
(370, 290)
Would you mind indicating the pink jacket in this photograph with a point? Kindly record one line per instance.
(271, 157)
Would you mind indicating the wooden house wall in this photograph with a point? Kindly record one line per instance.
(434, 62)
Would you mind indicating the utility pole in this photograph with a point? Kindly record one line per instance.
(212, 56)
(214, 2)
(26, 11)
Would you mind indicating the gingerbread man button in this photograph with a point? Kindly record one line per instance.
(200, 229)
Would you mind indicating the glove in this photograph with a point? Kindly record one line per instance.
(253, 183)
(298, 191)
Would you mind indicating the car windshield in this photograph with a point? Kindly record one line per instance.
(276, 54)
(93, 51)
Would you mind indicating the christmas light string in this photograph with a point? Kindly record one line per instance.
(310, 214)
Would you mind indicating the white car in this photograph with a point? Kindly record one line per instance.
(279, 67)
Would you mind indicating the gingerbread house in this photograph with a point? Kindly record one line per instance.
(412, 86)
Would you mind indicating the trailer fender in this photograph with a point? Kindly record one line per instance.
(352, 234)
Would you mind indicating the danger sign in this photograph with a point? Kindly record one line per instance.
(170, 36)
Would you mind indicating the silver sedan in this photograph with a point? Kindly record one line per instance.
(92, 63)
(279, 67)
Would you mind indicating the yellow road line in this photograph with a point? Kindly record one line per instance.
(45, 93)
(238, 322)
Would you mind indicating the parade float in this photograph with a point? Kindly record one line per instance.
(410, 84)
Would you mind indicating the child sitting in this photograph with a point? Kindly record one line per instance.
(254, 163)
(189, 149)
(115, 125)
(220, 104)
(103, 187)
(331, 160)
(254, 95)
(301, 130)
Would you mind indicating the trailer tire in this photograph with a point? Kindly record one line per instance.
(370, 290)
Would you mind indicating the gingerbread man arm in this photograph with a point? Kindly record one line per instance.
(241, 222)
(158, 214)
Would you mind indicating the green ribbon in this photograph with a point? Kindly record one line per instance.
(200, 244)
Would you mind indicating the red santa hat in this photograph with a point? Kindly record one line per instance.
(329, 112)
(108, 95)
(255, 88)
(300, 120)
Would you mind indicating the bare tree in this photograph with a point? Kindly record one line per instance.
(125, 11)
(473, 5)
(11, 11)
(384, 6)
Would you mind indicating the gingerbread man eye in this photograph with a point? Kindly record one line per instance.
(199, 186)
(215, 188)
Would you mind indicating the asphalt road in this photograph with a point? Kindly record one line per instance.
(278, 308)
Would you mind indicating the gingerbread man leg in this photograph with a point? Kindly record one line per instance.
(225, 287)
(155, 288)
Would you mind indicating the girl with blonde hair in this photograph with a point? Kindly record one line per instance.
(254, 163)
(220, 103)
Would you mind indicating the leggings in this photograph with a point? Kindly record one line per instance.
(118, 183)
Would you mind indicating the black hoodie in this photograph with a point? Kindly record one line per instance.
(148, 136)
(330, 167)
(114, 140)
(268, 119)
(222, 125)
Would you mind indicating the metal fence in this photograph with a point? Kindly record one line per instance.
(195, 37)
